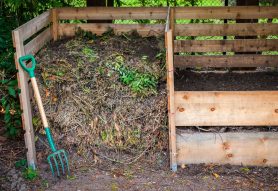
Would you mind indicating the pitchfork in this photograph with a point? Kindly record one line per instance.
(57, 156)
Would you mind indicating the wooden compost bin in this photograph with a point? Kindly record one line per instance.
(185, 108)
(222, 108)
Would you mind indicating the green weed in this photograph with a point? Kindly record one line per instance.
(11, 107)
(89, 53)
(27, 172)
(139, 82)
(45, 183)
(30, 174)
(71, 177)
(21, 163)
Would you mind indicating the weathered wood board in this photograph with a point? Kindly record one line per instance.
(104, 13)
(33, 26)
(228, 148)
(238, 29)
(226, 108)
(242, 45)
(230, 12)
(38, 42)
(111, 13)
(170, 90)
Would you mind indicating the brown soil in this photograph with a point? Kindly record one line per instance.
(142, 176)
(193, 177)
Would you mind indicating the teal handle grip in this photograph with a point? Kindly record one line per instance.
(31, 70)
(50, 139)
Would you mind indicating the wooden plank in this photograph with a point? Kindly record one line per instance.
(37, 43)
(25, 102)
(100, 28)
(248, 60)
(226, 108)
(236, 12)
(171, 98)
(172, 20)
(111, 13)
(238, 29)
(33, 26)
(100, 13)
(55, 23)
(258, 149)
(242, 45)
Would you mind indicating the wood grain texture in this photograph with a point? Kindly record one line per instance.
(239, 12)
(55, 23)
(103, 13)
(238, 29)
(38, 42)
(39, 102)
(25, 102)
(142, 29)
(259, 149)
(242, 45)
(172, 21)
(226, 108)
(111, 13)
(33, 26)
(171, 98)
(226, 61)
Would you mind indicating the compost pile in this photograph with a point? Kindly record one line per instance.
(105, 96)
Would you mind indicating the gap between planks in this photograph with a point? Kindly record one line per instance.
(243, 60)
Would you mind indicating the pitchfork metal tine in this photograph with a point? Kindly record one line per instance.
(56, 164)
(66, 159)
(51, 167)
(62, 164)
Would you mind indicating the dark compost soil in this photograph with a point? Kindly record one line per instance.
(225, 81)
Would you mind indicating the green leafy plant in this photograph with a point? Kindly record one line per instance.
(71, 177)
(21, 163)
(11, 107)
(30, 174)
(89, 53)
(27, 172)
(138, 82)
(141, 83)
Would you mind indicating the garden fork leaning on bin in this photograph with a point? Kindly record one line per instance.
(59, 157)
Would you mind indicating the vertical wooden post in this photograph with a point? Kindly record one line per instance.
(171, 101)
(171, 92)
(172, 21)
(25, 103)
(54, 19)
